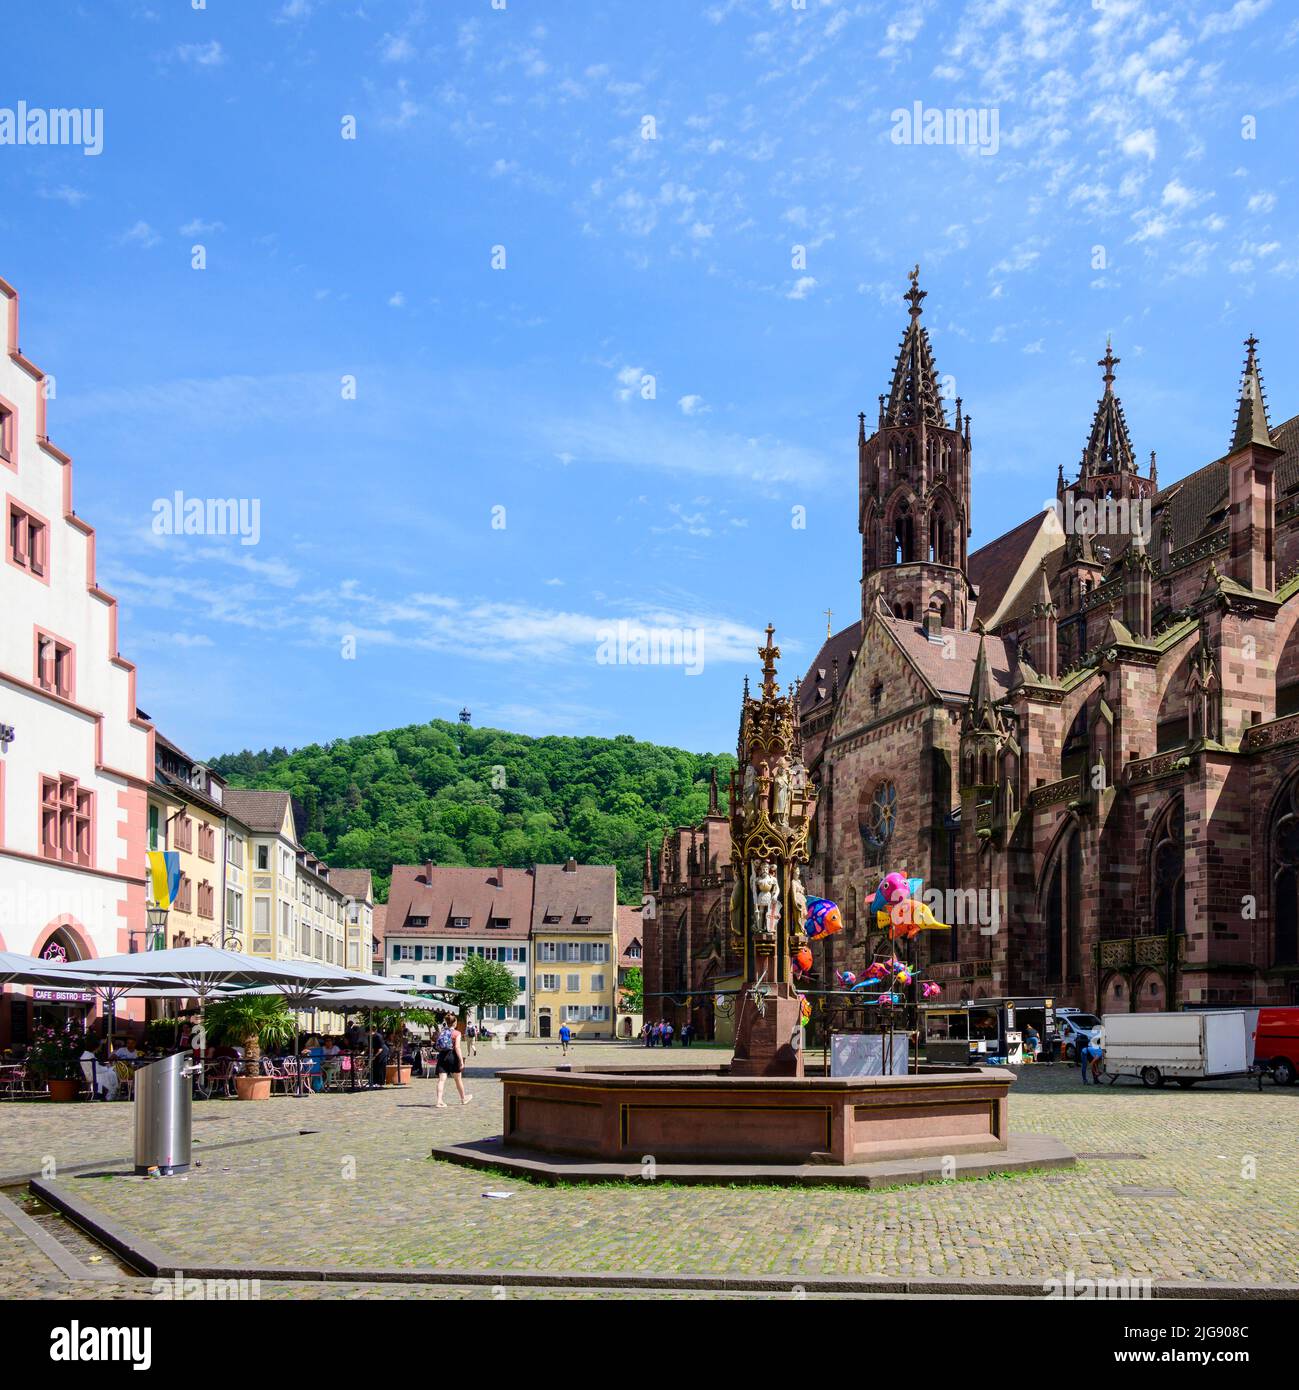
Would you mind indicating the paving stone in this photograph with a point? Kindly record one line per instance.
(359, 1192)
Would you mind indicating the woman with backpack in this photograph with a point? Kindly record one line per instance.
(451, 1060)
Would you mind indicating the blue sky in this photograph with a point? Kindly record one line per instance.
(1121, 125)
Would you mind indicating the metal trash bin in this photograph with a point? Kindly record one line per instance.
(164, 1113)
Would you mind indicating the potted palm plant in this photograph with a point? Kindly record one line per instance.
(56, 1056)
(253, 1021)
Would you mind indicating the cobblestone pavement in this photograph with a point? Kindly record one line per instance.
(1172, 1185)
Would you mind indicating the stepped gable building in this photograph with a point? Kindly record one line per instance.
(76, 759)
(688, 952)
(1092, 721)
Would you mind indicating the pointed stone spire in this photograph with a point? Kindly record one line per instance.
(647, 881)
(981, 712)
(713, 808)
(1042, 640)
(1251, 412)
(1108, 449)
(914, 395)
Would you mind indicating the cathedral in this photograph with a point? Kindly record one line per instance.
(1085, 734)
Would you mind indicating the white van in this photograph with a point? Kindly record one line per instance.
(1075, 1028)
(1182, 1047)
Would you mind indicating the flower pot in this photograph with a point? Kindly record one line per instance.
(63, 1090)
(253, 1087)
(397, 1075)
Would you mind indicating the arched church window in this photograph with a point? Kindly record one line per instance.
(1285, 878)
(1062, 912)
(876, 821)
(903, 536)
(1167, 865)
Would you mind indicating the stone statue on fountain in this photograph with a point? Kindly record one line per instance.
(772, 803)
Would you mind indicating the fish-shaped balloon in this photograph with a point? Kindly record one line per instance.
(823, 918)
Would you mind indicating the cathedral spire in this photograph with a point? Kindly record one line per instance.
(1251, 412)
(1109, 449)
(913, 395)
(713, 808)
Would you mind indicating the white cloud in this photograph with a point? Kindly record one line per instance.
(692, 405)
(396, 300)
(141, 234)
(1139, 142)
(1178, 196)
(65, 193)
(197, 227)
(1262, 202)
(202, 55)
(396, 48)
(802, 287)
(1243, 12)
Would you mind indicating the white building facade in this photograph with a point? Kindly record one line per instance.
(76, 761)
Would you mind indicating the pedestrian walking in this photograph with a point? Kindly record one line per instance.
(565, 1037)
(451, 1061)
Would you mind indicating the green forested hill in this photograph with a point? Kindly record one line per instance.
(454, 794)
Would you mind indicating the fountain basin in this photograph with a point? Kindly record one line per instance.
(703, 1115)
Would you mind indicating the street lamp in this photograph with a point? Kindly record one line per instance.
(156, 940)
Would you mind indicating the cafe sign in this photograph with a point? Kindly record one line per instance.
(63, 996)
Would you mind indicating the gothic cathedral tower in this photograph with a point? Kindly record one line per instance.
(914, 490)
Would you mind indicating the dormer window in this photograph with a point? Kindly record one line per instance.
(417, 921)
(461, 922)
(581, 920)
(498, 922)
(551, 917)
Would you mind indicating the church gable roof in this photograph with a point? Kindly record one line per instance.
(814, 688)
(1003, 568)
(947, 665)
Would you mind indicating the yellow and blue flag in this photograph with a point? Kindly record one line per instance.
(164, 876)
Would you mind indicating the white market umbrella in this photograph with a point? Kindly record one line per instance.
(28, 970)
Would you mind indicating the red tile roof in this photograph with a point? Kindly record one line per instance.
(631, 927)
(585, 890)
(442, 891)
(948, 665)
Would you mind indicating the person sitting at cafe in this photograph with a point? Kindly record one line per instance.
(126, 1052)
(102, 1078)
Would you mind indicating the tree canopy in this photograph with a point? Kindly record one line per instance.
(453, 794)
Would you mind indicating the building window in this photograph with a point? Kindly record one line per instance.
(1285, 880)
(417, 921)
(548, 984)
(597, 984)
(574, 984)
(460, 922)
(876, 821)
(205, 904)
(154, 827)
(67, 821)
(263, 857)
(27, 541)
(7, 445)
(498, 922)
(54, 665)
(185, 833)
(184, 895)
(235, 849)
(206, 842)
(633, 952)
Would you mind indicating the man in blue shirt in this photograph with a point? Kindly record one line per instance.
(565, 1037)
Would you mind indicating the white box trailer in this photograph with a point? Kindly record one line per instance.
(1182, 1047)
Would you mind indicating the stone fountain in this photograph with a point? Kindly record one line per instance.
(761, 1117)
